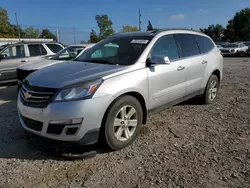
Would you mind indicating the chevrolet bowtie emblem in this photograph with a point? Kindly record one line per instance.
(27, 95)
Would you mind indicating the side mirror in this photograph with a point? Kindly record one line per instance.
(73, 54)
(158, 60)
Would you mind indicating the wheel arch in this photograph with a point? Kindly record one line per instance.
(134, 94)
(217, 73)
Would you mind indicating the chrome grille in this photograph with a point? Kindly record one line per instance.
(36, 96)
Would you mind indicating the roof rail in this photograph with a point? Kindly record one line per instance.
(169, 29)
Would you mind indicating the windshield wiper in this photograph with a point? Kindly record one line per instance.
(98, 61)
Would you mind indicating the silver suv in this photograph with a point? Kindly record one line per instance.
(108, 92)
(13, 55)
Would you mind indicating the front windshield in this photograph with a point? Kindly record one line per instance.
(119, 50)
(232, 46)
(68, 53)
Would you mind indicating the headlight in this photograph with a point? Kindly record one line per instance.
(78, 92)
(233, 50)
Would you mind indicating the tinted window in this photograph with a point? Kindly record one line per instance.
(36, 50)
(120, 50)
(14, 52)
(187, 45)
(205, 44)
(166, 46)
(54, 47)
(108, 50)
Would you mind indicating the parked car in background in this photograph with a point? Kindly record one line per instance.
(107, 93)
(248, 50)
(223, 44)
(14, 55)
(219, 46)
(69, 53)
(234, 49)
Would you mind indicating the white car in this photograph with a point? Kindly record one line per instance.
(69, 53)
(234, 49)
(14, 55)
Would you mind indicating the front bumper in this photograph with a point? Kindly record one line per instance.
(91, 110)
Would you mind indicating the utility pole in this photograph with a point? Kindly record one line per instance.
(57, 35)
(74, 36)
(139, 19)
(18, 30)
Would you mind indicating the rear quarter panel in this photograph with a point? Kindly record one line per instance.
(215, 63)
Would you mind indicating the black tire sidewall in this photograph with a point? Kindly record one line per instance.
(206, 94)
(110, 138)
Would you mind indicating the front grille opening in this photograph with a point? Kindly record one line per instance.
(36, 96)
(71, 131)
(55, 129)
(32, 124)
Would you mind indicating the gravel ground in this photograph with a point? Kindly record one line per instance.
(189, 145)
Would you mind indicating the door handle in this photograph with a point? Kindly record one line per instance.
(180, 68)
(204, 62)
(23, 61)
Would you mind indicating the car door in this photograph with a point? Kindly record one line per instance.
(36, 52)
(193, 62)
(13, 57)
(166, 81)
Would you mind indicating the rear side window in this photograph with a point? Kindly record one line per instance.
(204, 43)
(36, 50)
(187, 45)
(165, 46)
(54, 47)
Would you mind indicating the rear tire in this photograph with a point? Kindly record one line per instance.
(211, 90)
(123, 121)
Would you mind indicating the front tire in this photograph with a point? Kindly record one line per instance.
(123, 121)
(211, 90)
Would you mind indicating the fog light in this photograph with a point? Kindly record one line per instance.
(71, 131)
(67, 122)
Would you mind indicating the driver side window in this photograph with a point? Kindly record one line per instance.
(13, 52)
(165, 46)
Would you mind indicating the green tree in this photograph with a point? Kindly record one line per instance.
(5, 27)
(105, 28)
(214, 31)
(238, 28)
(31, 32)
(93, 37)
(15, 31)
(129, 28)
(149, 27)
(47, 34)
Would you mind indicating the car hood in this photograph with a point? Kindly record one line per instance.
(70, 72)
(228, 48)
(38, 64)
